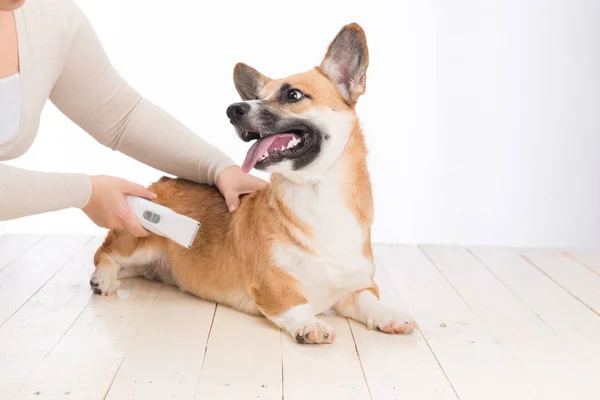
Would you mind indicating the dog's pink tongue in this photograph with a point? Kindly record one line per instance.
(256, 151)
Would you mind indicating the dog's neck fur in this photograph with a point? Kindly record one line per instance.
(345, 186)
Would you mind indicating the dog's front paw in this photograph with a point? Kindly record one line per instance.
(314, 333)
(104, 282)
(389, 320)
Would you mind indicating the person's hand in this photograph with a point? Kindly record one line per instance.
(232, 183)
(108, 207)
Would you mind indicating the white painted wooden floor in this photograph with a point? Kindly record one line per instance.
(495, 323)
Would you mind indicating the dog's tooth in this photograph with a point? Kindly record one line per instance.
(282, 148)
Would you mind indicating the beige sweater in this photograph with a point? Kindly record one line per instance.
(62, 59)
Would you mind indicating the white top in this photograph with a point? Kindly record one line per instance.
(10, 107)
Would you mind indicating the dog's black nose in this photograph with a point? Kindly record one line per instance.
(236, 111)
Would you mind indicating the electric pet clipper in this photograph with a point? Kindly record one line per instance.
(164, 222)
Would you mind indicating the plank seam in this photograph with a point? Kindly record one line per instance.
(206, 348)
(446, 279)
(578, 261)
(384, 270)
(23, 252)
(527, 306)
(281, 343)
(556, 282)
(76, 253)
(68, 328)
(439, 363)
(362, 368)
(160, 288)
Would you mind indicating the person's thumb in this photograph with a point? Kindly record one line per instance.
(133, 226)
(233, 200)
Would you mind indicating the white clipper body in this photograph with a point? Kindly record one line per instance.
(164, 222)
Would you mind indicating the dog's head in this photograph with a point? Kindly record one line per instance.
(301, 123)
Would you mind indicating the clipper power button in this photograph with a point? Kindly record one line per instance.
(150, 216)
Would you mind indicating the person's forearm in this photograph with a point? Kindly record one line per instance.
(93, 94)
(154, 137)
(24, 192)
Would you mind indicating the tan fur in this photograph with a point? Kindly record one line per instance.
(322, 91)
(230, 254)
(232, 259)
(349, 301)
(232, 245)
(359, 196)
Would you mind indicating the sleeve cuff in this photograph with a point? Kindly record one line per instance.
(217, 168)
(77, 188)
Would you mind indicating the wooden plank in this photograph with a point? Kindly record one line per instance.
(471, 354)
(487, 296)
(323, 371)
(574, 277)
(547, 357)
(415, 374)
(243, 358)
(34, 330)
(22, 278)
(85, 361)
(14, 246)
(165, 358)
(589, 258)
(566, 315)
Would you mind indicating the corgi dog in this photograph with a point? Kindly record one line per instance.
(300, 246)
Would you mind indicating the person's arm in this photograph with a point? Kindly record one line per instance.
(102, 198)
(24, 192)
(93, 95)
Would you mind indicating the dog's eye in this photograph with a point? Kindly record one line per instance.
(294, 95)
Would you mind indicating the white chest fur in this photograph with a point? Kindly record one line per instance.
(337, 266)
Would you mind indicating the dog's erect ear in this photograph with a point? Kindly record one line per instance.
(346, 62)
(248, 81)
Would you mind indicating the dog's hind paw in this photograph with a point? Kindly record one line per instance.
(390, 321)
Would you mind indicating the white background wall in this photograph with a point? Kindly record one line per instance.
(482, 117)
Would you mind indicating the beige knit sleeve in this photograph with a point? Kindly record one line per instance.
(93, 95)
(24, 192)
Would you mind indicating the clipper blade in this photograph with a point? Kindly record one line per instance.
(182, 230)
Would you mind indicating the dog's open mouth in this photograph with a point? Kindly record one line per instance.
(274, 148)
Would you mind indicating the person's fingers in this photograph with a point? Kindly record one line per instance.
(259, 181)
(138, 190)
(133, 226)
(251, 185)
(233, 200)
